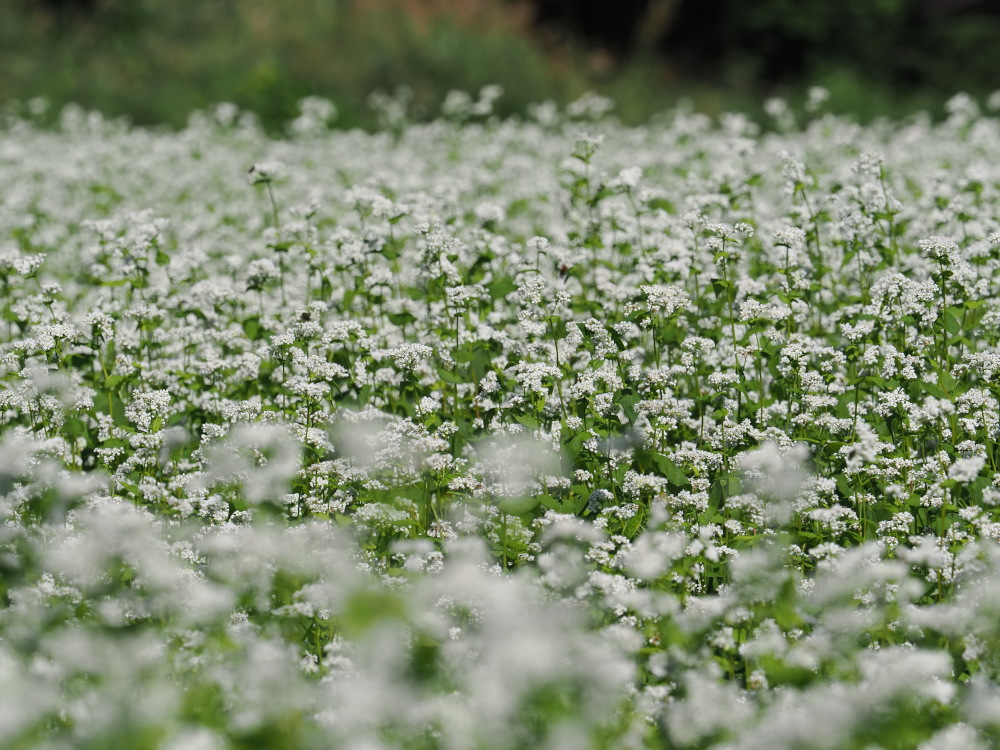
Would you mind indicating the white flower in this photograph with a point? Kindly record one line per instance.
(966, 470)
(629, 177)
(146, 406)
(408, 356)
(267, 171)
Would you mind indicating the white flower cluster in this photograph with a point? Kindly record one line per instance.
(492, 434)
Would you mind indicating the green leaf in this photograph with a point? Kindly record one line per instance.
(946, 381)
(368, 608)
(721, 287)
(519, 506)
(402, 318)
(575, 442)
(528, 421)
(130, 487)
(951, 323)
(561, 505)
(501, 288)
(786, 611)
(932, 390)
(74, 427)
(251, 327)
(670, 471)
(450, 377)
(844, 486)
(632, 526)
(628, 404)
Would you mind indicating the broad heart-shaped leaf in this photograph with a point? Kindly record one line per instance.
(951, 322)
(946, 381)
(930, 389)
(402, 318)
(633, 525)
(628, 403)
(501, 287)
(478, 358)
(573, 444)
(528, 421)
(572, 504)
(518, 506)
(251, 327)
(450, 377)
(670, 471)
(74, 427)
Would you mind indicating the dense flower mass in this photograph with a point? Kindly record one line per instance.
(500, 434)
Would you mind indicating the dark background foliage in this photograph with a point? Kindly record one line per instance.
(156, 60)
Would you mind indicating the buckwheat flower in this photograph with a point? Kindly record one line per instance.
(590, 105)
(460, 297)
(145, 407)
(603, 403)
(943, 250)
(751, 309)
(408, 356)
(532, 375)
(791, 237)
(891, 401)
(776, 472)
(960, 736)
(720, 380)
(261, 273)
(863, 452)
(262, 458)
(264, 172)
(794, 173)
(487, 97)
(490, 213)
(776, 107)
(427, 405)
(710, 707)
(457, 104)
(742, 147)
(664, 299)
(538, 244)
(966, 470)
(816, 97)
(530, 289)
(962, 108)
(627, 178)
(316, 115)
(21, 265)
(870, 163)
(720, 230)
(586, 145)
(489, 383)
(857, 332)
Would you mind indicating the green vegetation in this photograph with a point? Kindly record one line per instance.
(156, 61)
(500, 434)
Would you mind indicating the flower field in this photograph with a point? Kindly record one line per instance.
(492, 434)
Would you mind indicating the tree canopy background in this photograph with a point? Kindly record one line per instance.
(157, 60)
